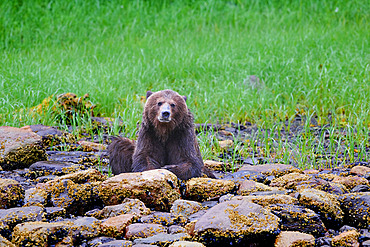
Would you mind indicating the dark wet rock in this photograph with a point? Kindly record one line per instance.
(143, 230)
(298, 218)
(87, 159)
(240, 176)
(52, 213)
(99, 240)
(236, 221)
(40, 233)
(128, 206)
(356, 208)
(117, 243)
(44, 168)
(162, 239)
(51, 136)
(293, 239)
(19, 148)
(324, 203)
(185, 207)
(158, 189)
(13, 216)
(116, 226)
(11, 193)
(203, 189)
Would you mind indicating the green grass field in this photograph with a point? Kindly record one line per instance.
(313, 57)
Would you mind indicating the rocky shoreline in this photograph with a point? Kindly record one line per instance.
(55, 190)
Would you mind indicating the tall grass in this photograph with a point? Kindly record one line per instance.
(313, 57)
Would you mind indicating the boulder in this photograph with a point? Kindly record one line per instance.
(346, 239)
(162, 218)
(203, 189)
(290, 180)
(351, 181)
(85, 228)
(13, 216)
(324, 203)
(298, 218)
(185, 208)
(158, 188)
(161, 239)
(248, 187)
(276, 170)
(11, 193)
(360, 170)
(128, 206)
(19, 148)
(40, 233)
(236, 221)
(294, 239)
(5, 243)
(116, 226)
(143, 230)
(45, 168)
(356, 208)
(186, 244)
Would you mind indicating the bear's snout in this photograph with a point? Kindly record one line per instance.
(165, 113)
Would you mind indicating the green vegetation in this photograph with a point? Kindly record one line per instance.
(313, 57)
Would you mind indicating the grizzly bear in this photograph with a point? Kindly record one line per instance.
(166, 139)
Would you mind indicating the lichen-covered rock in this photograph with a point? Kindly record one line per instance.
(321, 184)
(290, 180)
(162, 218)
(51, 136)
(324, 203)
(298, 218)
(294, 239)
(99, 241)
(11, 193)
(236, 221)
(143, 230)
(158, 188)
(19, 148)
(276, 170)
(91, 146)
(5, 243)
(203, 189)
(271, 199)
(351, 181)
(35, 197)
(40, 233)
(85, 228)
(13, 216)
(346, 239)
(360, 170)
(248, 187)
(45, 168)
(161, 239)
(356, 208)
(185, 207)
(217, 165)
(116, 226)
(74, 198)
(85, 176)
(53, 213)
(128, 206)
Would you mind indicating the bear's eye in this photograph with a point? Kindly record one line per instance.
(172, 105)
(160, 103)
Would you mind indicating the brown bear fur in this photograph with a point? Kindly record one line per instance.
(166, 140)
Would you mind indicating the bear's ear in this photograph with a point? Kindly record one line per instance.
(185, 98)
(148, 93)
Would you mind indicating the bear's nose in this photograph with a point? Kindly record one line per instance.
(165, 114)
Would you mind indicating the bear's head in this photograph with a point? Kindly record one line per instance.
(165, 110)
